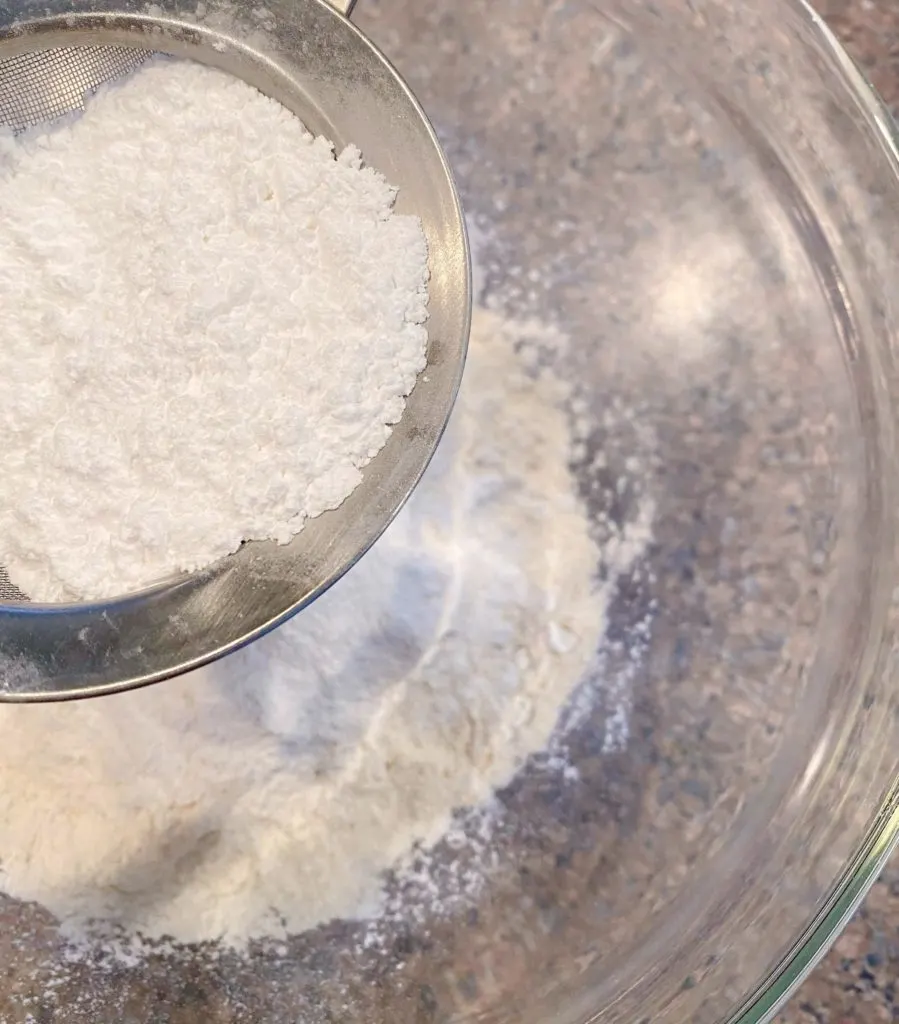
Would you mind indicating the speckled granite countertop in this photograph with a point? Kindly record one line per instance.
(858, 982)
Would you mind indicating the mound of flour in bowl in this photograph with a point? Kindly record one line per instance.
(209, 326)
(269, 792)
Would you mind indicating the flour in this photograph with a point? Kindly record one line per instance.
(210, 325)
(270, 792)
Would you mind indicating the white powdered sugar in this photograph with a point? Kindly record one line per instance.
(270, 792)
(209, 326)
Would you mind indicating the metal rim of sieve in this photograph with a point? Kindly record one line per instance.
(307, 55)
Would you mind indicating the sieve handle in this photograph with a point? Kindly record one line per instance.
(344, 6)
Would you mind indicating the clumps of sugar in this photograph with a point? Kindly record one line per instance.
(210, 327)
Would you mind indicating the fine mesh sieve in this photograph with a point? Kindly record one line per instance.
(41, 86)
(308, 56)
(8, 591)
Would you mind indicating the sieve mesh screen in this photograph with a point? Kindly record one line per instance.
(43, 85)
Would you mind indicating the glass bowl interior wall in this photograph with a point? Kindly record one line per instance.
(703, 197)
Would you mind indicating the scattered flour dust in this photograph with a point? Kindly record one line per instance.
(271, 792)
(210, 324)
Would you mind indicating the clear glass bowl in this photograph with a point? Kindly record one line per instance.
(703, 195)
(706, 195)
